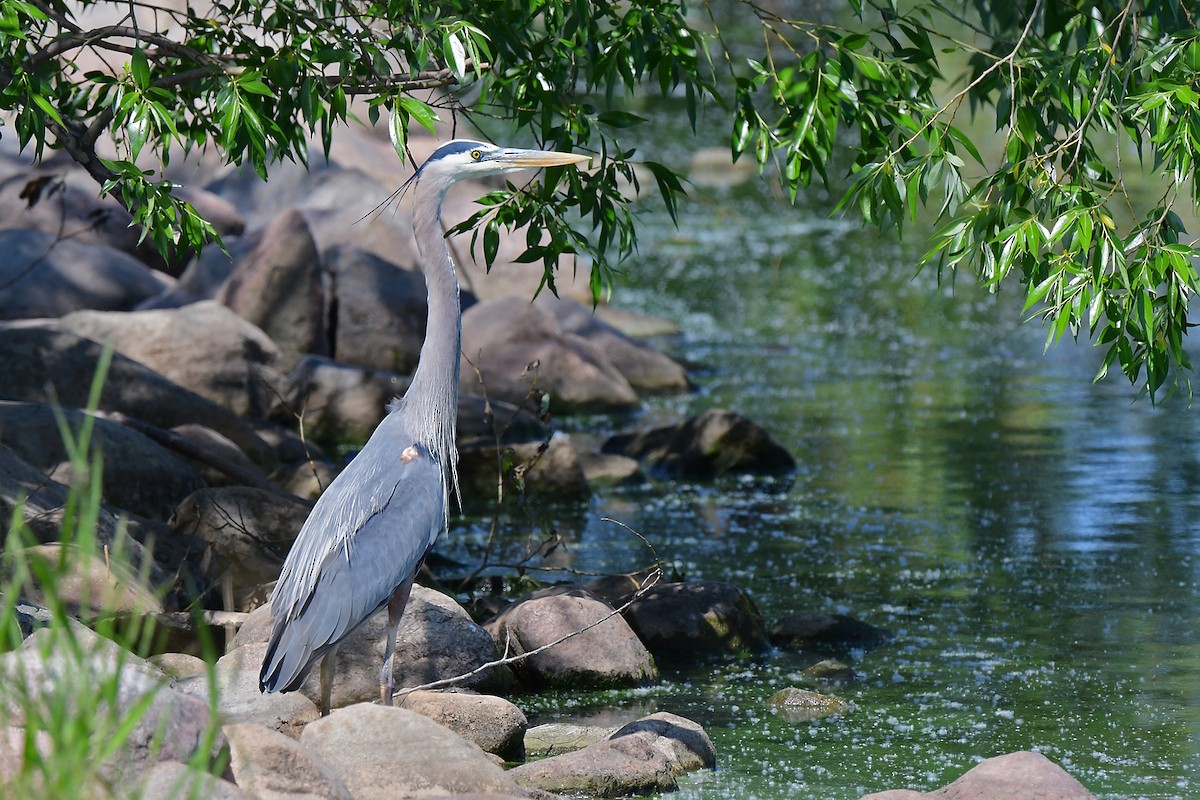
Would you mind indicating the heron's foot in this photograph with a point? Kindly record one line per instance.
(387, 683)
(386, 693)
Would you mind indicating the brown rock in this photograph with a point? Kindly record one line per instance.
(271, 766)
(171, 780)
(685, 742)
(491, 722)
(1022, 775)
(629, 765)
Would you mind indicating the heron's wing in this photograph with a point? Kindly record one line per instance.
(367, 535)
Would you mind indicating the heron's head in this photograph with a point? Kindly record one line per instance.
(466, 158)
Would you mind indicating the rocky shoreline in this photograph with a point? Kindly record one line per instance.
(233, 374)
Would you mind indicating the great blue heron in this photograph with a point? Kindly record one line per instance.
(369, 532)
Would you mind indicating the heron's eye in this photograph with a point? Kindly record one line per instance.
(476, 155)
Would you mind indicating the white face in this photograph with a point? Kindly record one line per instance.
(464, 158)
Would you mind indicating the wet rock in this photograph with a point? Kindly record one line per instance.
(714, 443)
(139, 475)
(360, 744)
(620, 767)
(436, 640)
(165, 724)
(829, 671)
(802, 705)
(381, 310)
(647, 370)
(608, 469)
(171, 780)
(697, 618)
(248, 532)
(491, 722)
(818, 632)
(204, 347)
(548, 469)
(278, 287)
(555, 738)
(41, 276)
(236, 675)
(35, 361)
(271, 766)
(608, 655)
(1022, 775)
(684, 742)
(519, 348)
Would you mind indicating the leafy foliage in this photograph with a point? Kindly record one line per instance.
(1015, 124)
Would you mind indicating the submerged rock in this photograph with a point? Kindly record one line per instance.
(803, 705)
(697, 618)
(818, 632)
(714, 443)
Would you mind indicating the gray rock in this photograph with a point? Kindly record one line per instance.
(171, 780)
(204, 347)
(179, 665)
(647, 370)
(607, 655)
(278, 286)
(436, 640)
(15, 755)
(818, 632)
(609, 469)
(360, 744)
(248, 532)
(271, 766)
(139, 475)
(555, 738)
(684, 742)
(714, 443)
(697, 619)
(1023, 775)
(547, 469)
(221, 447)
(515, 349)
(629, 765)
(38, 360)
(491, 722)
(306, 480)
(42, 276)
(802, 705)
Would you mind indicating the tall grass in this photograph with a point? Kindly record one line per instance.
(77, 703)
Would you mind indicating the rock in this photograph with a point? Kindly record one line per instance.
(240, 699)
(684, 742)
(629, 765)
(697, 619)
(248, 532)
(170, 780)
(491, 722)
(221, 447)
(515, 348)
(554, 738)
(436, 640)
(360, 743)
(163, 724)
(818, 632)
(306, 480)
(15, 756)
(1016, 776)
(608, 655)
(829, 671)
(647, 370)
(714, 443)
(546, 469)
(802, 705)
(37, 360)
(219, 212)
(635, 325)
(204, 347)
(381, 310)
(179, 665)
(138, 475)
(609, 469)
(90, 585)
(278, 287)
(271, 766)
(42, 276)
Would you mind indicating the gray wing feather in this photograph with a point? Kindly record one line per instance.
(366, 535)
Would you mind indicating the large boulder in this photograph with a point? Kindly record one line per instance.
(272, 766)
(248, 532)
(491, 722)
(437, 640)
(37, 361)
(515, 348)
(685, 742)
(279, 287)
(204, 347)
(1016, 776)
(139, 475)
(631, 764)
(606, 654)
(697, 618)
(361, 743)
(170, 780)
(45, 276)
(710, 444)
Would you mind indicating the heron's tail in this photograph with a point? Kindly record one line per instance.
(289, 659)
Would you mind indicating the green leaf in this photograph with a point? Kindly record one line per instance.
(139, 68)
(421, 112)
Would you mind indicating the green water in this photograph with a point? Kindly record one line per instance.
(1030, 538)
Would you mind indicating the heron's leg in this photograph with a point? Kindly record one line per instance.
(387, 678)
(327, 664)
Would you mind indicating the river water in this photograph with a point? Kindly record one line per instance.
(1031, 539)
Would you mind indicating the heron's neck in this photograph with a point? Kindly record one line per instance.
(432, 397)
